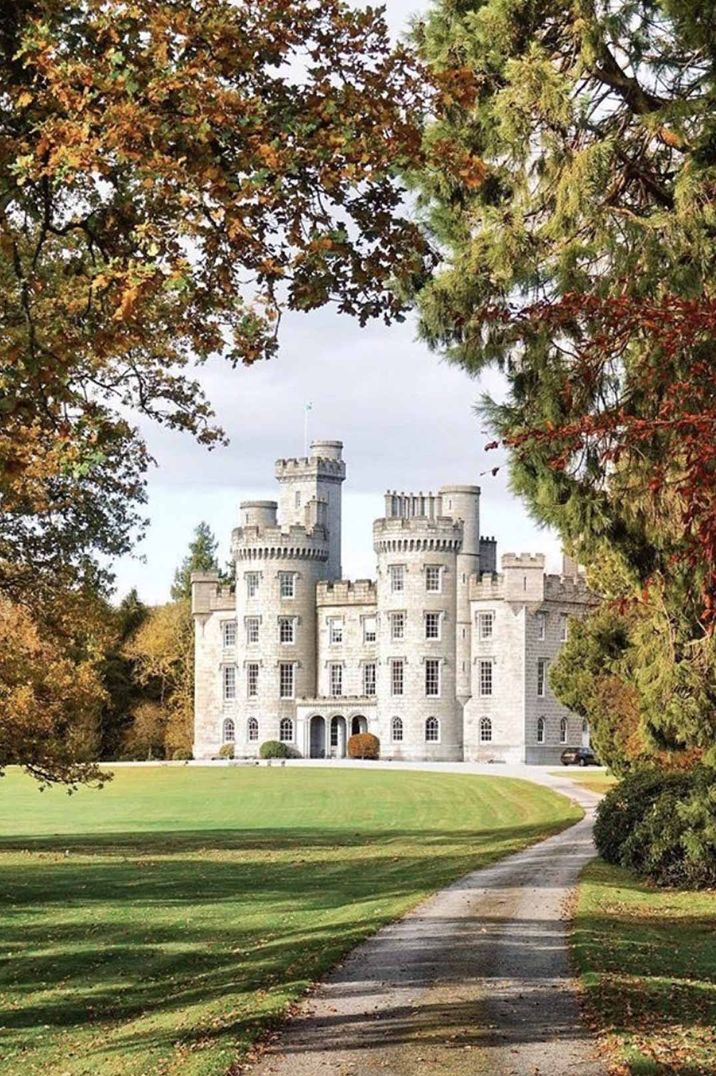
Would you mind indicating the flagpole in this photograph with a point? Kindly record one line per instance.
(306, 409)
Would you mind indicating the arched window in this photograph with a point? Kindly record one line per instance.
(563, 730)
(432, 730)
(229, 731)
(252, 728)
(485, 730)
(541, 723)
(396, 729)
(585, 726)
(285, 730)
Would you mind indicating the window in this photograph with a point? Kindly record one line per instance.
(397, 626)
(286, 678)
(432, 730)
(334, 732)
(287, 584)
(336, 679)
(229, 633)
(228, 731)
(563, 627)
(396, 730)
(563, 730)
(396, 676)
(287, 629)
(486, 677)
(397, 577)
(252, 729)
(541, 723)
(485, 730)
(369, 679)
(369, 629)
(433, 578)
(432, 676)
(252, 679)
(229, 677)
(285, 730)
(432, 625)
(252, 584)
(541, 677)
(541, 625)
(485, 625)
(252, 629)
(297, 498)
(335, 631)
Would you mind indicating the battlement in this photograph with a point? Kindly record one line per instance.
(310, 466)
(346, 592)
(293, 542)
(208, 595)
(523, 560)
(560, 588)
(400, 534)
(486, 587)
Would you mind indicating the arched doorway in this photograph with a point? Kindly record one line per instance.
(358, 724)
(318, 737)
(338, 737)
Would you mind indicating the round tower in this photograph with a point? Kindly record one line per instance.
(276, 574)
(463, 503)
(416, 598)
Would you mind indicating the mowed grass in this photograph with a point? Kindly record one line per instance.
(647, 960)
(595, 780)
(159, 925)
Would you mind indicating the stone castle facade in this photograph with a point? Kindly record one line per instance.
(441, 657)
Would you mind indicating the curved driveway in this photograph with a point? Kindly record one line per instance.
(474, 980)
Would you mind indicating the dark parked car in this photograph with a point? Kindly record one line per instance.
(579, 756)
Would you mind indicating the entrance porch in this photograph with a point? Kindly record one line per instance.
(325, 726)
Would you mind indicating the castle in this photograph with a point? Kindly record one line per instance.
(441, 657)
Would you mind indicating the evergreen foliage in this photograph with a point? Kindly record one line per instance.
(579, 248)
(201, 557)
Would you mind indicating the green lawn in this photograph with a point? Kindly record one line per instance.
(647, 959)
(595, 780)
(158, 925)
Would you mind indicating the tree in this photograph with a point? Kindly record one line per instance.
(162, 651)
(171, 179)
(200, 558)
(50, 701)
(579, 258)
(124, 693)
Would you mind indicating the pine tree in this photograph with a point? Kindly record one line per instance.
(200, 558)
(574, 209)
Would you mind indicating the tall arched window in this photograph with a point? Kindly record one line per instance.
(432, 730)
(485, 730)
(563, 730)
(541, 724)
(396, 729)
(285, 730)
(253, 728)
(229, 731)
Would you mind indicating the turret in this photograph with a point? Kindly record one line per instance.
(310, 493)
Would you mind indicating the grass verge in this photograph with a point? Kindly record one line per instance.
(595, 780)
(647, 961)
(160, 925)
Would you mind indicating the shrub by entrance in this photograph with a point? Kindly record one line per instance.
(274, 749)
(364, 745)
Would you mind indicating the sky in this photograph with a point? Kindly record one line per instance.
(406, 417)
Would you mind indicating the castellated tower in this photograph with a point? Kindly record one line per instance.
(463, 503)
(417, 549)
(310, 493)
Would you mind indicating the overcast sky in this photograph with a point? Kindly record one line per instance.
(406, 418)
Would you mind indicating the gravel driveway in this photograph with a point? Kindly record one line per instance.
(474, 980)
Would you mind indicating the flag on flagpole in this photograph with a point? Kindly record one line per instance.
(307, 408)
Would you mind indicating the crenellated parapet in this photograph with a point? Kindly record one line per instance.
(417, 534)
(345, 592)
(279, 543)
(208, 595)
(560, 588)
(322, 467)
